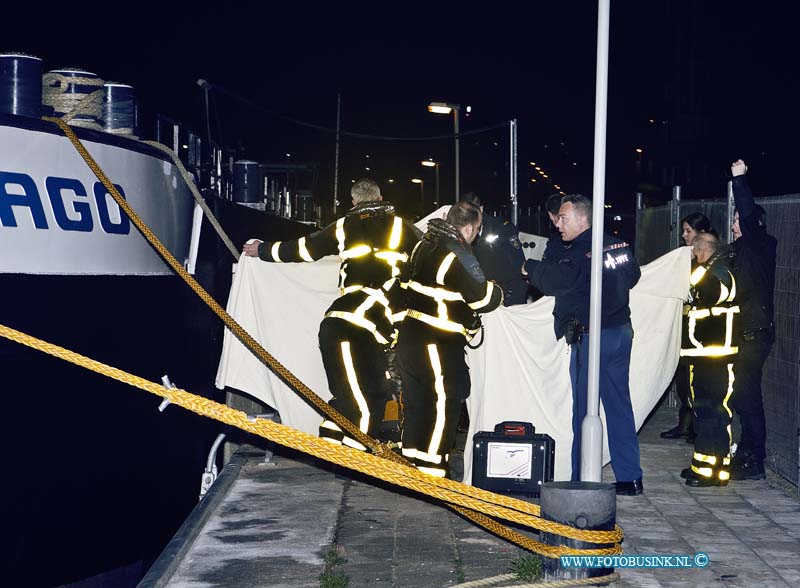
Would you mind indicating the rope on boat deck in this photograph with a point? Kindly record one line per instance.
(467, 500)
(201, 202)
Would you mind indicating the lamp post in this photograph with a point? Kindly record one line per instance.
(421, 194)
(435, 165)
(447, 108)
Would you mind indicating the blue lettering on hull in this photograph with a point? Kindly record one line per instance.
(77, 218)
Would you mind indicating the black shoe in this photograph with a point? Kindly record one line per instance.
(748, 470)
(688, 473)
(633, 488)
(703, 482)
(676, 432)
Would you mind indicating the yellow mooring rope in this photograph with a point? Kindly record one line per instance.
(469, 501)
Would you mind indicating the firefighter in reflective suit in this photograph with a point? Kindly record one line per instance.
(445, 290)
(710, 328)
(372, 243)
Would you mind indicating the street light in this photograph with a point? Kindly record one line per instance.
(434, 164)
(421, 193)
(447, 108)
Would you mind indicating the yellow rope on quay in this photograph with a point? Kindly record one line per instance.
(506, 504)
(401, 475)
(494, 580)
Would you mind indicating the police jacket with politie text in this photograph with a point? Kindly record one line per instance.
(445, 285)
(372, 243)
(566, 274)
(753, 262)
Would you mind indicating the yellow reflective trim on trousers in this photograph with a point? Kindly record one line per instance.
(421, 455)
(444, 266)
(705, 472)
(444, 325)
(274, 251)
(723, 475)
(731, 379)
(397, 233)
(710, 351)
(359, 321)
(441, 398)
(691, 382)
(304, 254)
(352, 379)
(697, 275)
(486, 299)
(710, 459)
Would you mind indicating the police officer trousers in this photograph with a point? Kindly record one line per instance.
(747, 398)
(435, 384)
(356, 368)
(615, 394)
(711, 381)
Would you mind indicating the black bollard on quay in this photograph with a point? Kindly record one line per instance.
(583, 505)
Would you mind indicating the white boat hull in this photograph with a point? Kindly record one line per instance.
(57, 218)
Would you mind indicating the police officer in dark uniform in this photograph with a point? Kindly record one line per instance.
(445, 290)
(754, 258)
(711, 354)
(499, 252)
(567, 277)
(373, 243)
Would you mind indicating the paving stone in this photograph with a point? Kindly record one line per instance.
(750, 530)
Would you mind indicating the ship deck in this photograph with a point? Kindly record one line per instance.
(273, 524)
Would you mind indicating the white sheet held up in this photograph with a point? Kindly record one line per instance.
(520, 372)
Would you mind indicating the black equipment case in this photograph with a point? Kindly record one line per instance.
(512, 459)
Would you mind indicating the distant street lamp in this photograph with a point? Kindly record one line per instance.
(421, 193)
(447, 108)
(434, 164)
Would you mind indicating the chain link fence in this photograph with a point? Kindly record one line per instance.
(658, 231)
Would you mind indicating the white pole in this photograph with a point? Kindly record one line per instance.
(592, 427)
(456, 129)
(336, 164)
(513, 171)
(729, 211)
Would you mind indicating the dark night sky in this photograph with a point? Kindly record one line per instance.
(728, 72)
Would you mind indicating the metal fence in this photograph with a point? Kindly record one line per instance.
(658, 230)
